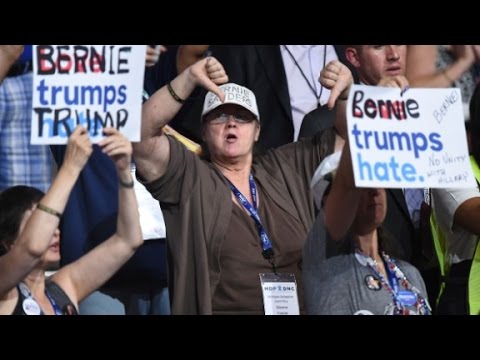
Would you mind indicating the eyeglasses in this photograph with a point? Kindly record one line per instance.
(221, 118)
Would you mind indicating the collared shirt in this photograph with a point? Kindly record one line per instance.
(20, 162)
(305, 96)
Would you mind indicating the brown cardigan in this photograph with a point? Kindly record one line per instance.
(196, 204)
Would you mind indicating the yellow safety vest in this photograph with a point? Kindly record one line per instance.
(474, 276)
(439, 243)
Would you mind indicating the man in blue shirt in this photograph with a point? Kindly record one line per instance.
(20, 162)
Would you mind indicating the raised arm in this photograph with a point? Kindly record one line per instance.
(189, 54)
(153, 152)
(338, 79)
(37, 234)
(342, 201)
(153, 54)
(92, 270)
(8, 55)
(344, 197)
(422, 70)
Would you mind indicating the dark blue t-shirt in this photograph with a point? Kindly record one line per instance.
(90, 218)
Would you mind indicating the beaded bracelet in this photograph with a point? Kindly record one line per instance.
(128, 185)
(49, 210)
(174, 94)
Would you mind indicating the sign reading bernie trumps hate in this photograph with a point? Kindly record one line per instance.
(95, 86)
(411, 140)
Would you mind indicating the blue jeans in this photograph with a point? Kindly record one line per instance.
(140, 287)
(99, 303)
(156, 302)
(122, 302)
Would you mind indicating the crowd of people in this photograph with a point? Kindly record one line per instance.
(232, 220)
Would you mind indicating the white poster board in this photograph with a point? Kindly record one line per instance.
(411, 140)
(96, 86)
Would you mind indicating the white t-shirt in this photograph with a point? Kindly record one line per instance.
(151, 216)
(305, 90)
(460, 244)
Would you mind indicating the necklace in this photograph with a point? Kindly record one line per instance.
(311, 87)
(400, 298)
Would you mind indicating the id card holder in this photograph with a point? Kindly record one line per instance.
(407, 298)
(280, 295)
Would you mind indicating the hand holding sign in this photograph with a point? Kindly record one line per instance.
(398, 81)
(78, 151)
(337, 78)
(118, 147)
(96, 86)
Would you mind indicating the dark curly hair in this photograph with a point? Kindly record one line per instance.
(14, 202)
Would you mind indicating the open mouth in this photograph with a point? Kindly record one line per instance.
(231, 138)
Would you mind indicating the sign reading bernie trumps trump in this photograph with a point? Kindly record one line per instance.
(95, 86)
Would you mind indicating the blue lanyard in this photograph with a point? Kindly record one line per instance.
(252, 210)
(56, 309)
(28, 295)
(390, 284)
(392, 279)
